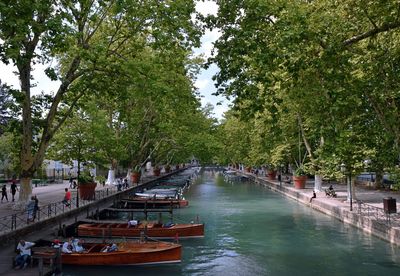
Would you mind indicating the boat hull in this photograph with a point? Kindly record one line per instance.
(157, 202)
(128, 254)
(153, 230)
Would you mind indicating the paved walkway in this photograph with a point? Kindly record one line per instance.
(366, 195)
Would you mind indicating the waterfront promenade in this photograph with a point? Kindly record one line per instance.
(55, 192)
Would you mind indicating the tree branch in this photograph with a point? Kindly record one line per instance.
(384, 28)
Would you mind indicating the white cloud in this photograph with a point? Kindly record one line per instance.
(201, 83)
(207, 7)
(42, 82)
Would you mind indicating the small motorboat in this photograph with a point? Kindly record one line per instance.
(127, 253)
(154, 230)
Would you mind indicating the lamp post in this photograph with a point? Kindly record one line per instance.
(347, 172)
(280, 175)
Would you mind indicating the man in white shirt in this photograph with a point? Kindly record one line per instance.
(67, 247)
(24, 256)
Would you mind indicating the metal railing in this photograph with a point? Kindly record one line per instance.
(20, 219)
(377, 214)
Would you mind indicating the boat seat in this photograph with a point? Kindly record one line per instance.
(95, 248)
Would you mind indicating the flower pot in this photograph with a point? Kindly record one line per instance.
(248, 169)
(156, 171)
(300, 181)
(135, 177)
(87, 191)
(271, 175)
(167, 169)
(177, 167)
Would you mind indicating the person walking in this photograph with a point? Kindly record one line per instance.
(14, 189)
(35, 207)
(4, 193)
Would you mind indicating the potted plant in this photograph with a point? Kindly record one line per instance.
(167, 168)
(135, 176)
(300, 178)
(271, 172)
(86, 185)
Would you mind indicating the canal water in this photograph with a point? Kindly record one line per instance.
(251, 230)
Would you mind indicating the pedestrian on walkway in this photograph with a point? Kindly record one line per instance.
(4, 193)
(67, 198)
(30, 209)
(71, 184)
(119, 184)
(35, 207)
(126, 185)
(14, 189)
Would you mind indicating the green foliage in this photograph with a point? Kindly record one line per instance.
(313, 75)
(85, 177)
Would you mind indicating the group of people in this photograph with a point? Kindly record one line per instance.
(13, 190)
(122, 184)
(71, 246)
(330, 192)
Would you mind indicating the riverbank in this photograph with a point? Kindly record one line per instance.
(49, 227)
(367, 214)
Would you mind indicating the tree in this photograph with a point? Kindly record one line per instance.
(310, 68)
(81, 37)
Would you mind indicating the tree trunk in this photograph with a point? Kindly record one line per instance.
(26, 147)
(378, 179)
(111, 177)
(318, 183)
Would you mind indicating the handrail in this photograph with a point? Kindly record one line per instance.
(377, 214)
(19, 219)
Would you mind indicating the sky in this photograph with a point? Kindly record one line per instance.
(204, 81)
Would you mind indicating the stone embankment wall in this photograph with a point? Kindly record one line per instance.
(368, 225)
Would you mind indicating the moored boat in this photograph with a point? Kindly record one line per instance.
(155, 230)
(128, 253)
(158, 202)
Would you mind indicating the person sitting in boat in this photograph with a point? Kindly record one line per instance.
(78, 247)
(133, 223)
(110, 248)
(67, 247)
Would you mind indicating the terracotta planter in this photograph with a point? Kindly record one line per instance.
(177, 167)
(300, 181)
(87, 191)
(135, 177)
(248, 169)
(167, 169)
(271, 175)
(156, 171)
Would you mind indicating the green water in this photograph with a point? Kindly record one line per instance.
(253, 231)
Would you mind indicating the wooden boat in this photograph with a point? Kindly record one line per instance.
(153, 203)
(128, 253)
(154, 230)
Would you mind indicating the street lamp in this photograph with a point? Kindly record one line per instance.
(280, 174)
(347, 172)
